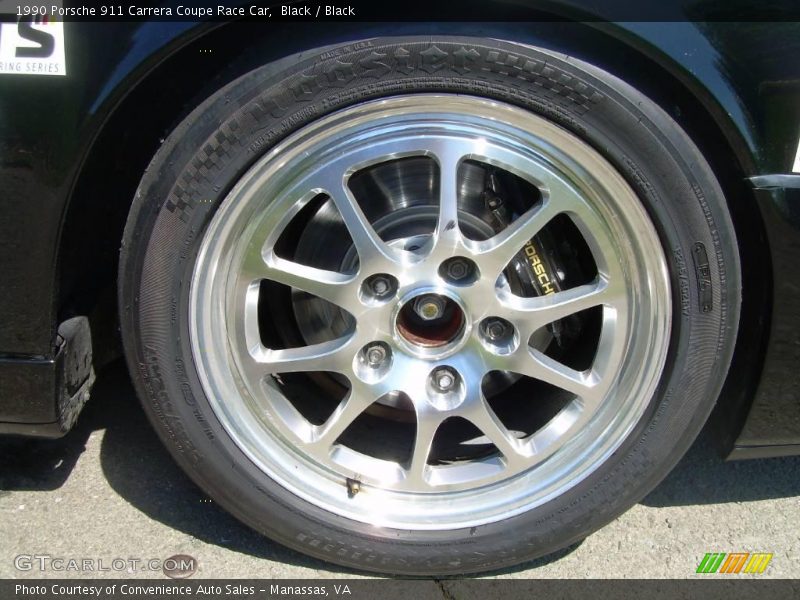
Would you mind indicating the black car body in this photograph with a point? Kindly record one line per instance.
(70, 161)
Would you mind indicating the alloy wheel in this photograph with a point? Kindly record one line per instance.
(430, 311)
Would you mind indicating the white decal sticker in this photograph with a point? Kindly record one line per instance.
(796, 167)
(32, 46)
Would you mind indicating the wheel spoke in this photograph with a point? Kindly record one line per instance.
(369, 246)
(329, 285)
(498, 250)
(538, 311)
(477, 410)
(449, 156)
(532, 363)
(427, 424)
(330, 356)
(349, 409)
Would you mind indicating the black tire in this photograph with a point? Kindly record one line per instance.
(208, 152)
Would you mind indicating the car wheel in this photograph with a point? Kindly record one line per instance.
(428, 306)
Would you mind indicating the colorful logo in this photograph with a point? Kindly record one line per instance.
(734, 562)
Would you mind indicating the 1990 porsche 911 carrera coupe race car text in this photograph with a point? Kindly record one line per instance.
(417, 298)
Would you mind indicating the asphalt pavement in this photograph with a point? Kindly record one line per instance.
(109, 490)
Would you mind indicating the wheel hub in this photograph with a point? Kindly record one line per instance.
(430, 320)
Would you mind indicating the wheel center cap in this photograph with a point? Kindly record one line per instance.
(430, 320)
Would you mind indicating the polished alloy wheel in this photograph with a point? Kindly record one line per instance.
(418, 321)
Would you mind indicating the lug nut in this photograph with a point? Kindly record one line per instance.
(375, 355)
(444, 379)
(429, 307)
(457, 269)
(380, 285)
(496, 329)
